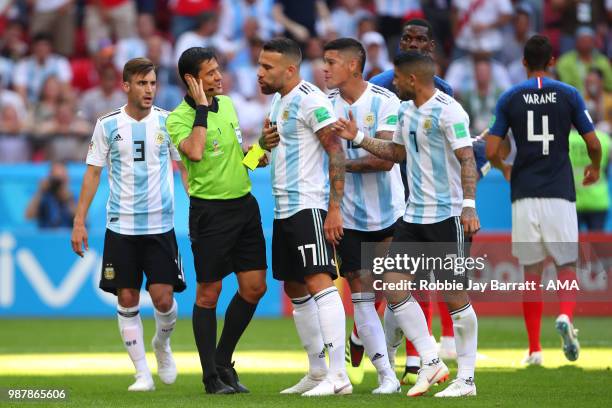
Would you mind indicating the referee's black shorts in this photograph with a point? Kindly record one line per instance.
(226, 236)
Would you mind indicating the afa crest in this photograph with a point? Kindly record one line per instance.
(285, 115)
(369, 119)
(427, 124)
(159, 139)
(109, 272)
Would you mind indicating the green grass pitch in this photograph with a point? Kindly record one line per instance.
(86, 357)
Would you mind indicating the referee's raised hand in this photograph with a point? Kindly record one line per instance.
(196, 90)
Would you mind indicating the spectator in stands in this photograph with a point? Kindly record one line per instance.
(564, 17)
(14, 147)
(108, 20)
(477, 25)
(598, 101)
(57, 17)
(346, 16)
(391, 17)
(186, 14)
(574, 65)
(45, 107)
(312, 53)
(11, 98)
(206, 35)
(12, 43)
(66, 134)
(166, 74)
(299, 18)
(235, 13)
(517, 36)
(53, 205)
(480, 102)
(366, 24)
(31, 72)
(460, 73)
(377, 58)
(244, 75)
(136, 46)
(104, 98)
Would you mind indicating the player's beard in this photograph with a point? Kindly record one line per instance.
(268, 89)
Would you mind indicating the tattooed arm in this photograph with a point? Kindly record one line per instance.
(381, 148)
(332, 145)
(371, 163)
(469, 176)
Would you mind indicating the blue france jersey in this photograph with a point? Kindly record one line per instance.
(541, 112)
(385, 79)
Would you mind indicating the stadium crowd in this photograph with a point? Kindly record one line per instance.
(60, 60)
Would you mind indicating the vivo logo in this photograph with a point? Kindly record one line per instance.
(14, 258)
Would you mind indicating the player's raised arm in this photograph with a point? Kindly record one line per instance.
(381, 148)
(331, 144)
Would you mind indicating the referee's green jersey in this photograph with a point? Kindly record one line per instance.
(220, 175)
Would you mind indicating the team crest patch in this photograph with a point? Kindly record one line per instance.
(109, 272)
(427, 124)
(159, 139)
(285, 115)
(369, 119)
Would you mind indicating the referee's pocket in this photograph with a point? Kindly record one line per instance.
(194, 218)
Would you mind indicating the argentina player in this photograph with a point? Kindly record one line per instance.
(135, 145)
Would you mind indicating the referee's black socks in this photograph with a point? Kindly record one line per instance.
(205, 332)
(237, 317)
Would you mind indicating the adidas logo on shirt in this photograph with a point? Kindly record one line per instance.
(117, 138)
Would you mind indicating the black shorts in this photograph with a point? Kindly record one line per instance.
(226, 236)
(441, 241)
(299, 247)
(349, 250)
(126, 257)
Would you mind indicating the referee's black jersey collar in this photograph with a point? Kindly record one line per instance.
(214, 106)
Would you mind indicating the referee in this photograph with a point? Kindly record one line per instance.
(224, 220)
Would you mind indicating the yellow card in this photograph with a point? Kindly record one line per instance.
(251, 160)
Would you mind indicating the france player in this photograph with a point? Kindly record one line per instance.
(432, 136)
(308, 167)
(541, 111)
(374, 194)
(135, 145)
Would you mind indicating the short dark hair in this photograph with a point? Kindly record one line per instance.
(538, 52)
(286, 47)
(42, 36)
(415, 59)
(137, 66)
(596, 71)
(191, 59)
(421, 23)
(348, 44)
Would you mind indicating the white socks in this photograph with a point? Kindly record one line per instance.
(371, 332)
(411, 319)
(333, 328)
(393, 335)
(164, 324)
(306, 318)
(465, 325)
(130, 327)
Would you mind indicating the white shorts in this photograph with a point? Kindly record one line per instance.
(543, 227)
